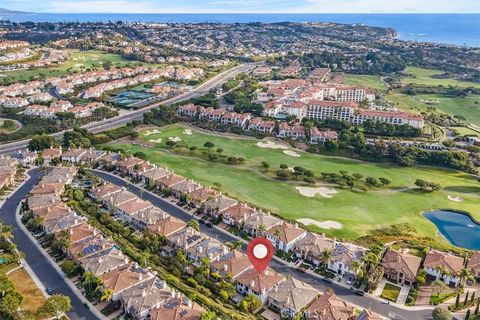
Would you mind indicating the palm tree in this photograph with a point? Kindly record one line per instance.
(371, 259)
(326, 255)
(357, 267)
(465, 275)
(107, 295)
(234, 245)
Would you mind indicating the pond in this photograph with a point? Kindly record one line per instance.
(458, 228)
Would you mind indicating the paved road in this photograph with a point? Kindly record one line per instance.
(138, 114)
(47, 274)
(386, 310)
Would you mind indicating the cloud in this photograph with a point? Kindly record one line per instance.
(244, 6)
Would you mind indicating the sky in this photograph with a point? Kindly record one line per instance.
(244, 6)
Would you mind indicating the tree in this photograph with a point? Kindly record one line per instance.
(467, 316)
(457, 300)
(441, 314)
(439, 287)
(326, 255)
(283, 166)
(252, 301)
(477, 308)
(209, 145)
(68, 266)
(426, 185)
(5, 285)
(40, 142)
(465, 275)
(208, 315)
(10, 303)
(55, 306)
(466, 299)
(265, 165)
(194, 224)
(219, 150)
(107, 295)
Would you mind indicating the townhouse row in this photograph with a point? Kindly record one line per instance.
(138, 290)
(246, 122)
(276, 291)
(80, 111)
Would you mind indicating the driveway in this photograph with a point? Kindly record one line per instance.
(43, 269)
(279, 266)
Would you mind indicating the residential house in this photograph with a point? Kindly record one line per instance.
(185, 238)
(257, 224)
(237, 214)
(73, 155)
(312, 247)
(144, 297)
(231, 264)
(208, 248)
(444, 266)
(56, 225)
(258, 284)
(49, 154)
(104, 191)
(474, 264)
(401, 267)
(262, 126)
(151, 176)
(126, 209)
(283, 236)
(124, 278)
(142, 219)
(198, 196)
(343, 257)
(111, 202)
(184, 187)
(217, 205)
(167, 182)
(167, 226)
(128, 165)
(289, 297)
(329, 307)
(177, 309)
(104, 261)
(89, 247)
(295, 131)
(320, 137)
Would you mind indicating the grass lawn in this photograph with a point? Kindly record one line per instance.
(390, 292)
(371, 81)
(357, 212)
(468, 107)
(422, 76)
(78, 60)
(466, 131)
(32, 296)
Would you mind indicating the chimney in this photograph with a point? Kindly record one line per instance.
(252, 283)
(144, 293)
(225, 267)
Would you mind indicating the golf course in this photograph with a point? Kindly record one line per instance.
(351, 213)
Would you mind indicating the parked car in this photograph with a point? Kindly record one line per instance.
(350, 280)
(359, 292)
(50, 291)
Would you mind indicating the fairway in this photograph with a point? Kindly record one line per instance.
(364, 80)
(77, 61)
(422, 76)
(358, 213)
(467, 107)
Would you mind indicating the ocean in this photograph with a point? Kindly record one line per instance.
(455, 29)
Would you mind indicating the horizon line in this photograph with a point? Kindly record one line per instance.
(243, 13)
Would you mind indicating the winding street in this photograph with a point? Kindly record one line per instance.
(48, 273)
(387, 310)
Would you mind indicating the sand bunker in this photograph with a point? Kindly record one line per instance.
(328, 224)
(476, 127)
(271, 145)
(455, 198)
(174, 139)
(78, 64)
(291, 153)
(312, 192)
(148, 132)
(188, 132)
(156, 140)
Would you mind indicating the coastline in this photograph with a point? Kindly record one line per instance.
(446, 29)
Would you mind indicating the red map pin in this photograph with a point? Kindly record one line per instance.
(260, 252)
